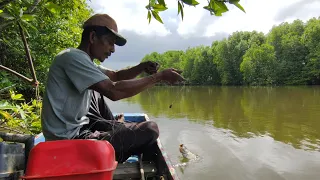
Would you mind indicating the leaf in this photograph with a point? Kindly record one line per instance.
(1, 11)
(6, 115)
(222, 5)
(191, 2)
(34, 102)
(180, 9)
(53, 8)
(28, 17)
(236, 3)
(5, 106)
(207, 8)
(6, 24)
(156, 16)
(216, 8)
(162, 2)
(30, 25)
(149, 16)
(22, 114)
(6, 16)
(17, 97)
(159, 7)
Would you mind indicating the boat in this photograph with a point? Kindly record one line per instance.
(15, 148)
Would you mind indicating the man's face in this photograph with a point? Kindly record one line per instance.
(102, 47)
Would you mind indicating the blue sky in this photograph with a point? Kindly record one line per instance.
(198, 26)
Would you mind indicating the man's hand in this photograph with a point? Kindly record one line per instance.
(150, 67)
(171, 75)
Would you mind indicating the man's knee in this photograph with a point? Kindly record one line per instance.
(152, 129)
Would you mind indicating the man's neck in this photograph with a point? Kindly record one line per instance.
(86, 49)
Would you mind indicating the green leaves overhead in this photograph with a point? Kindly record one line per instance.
(154, 9)
(149, 16)
(162, 2)
(156, 16)
(190, 2)
(159, 7)
(215, 7)
(236, 3)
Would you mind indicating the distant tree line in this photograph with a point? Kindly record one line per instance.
(288, 55)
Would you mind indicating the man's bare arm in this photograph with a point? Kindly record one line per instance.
(123, 74)
(127, 88)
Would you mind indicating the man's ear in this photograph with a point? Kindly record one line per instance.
(92, 37)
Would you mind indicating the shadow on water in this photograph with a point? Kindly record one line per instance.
(287, 114)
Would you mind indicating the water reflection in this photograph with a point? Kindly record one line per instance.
(287, 114)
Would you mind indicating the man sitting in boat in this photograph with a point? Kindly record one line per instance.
(74, 100)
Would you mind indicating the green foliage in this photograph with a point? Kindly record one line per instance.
(19, 116)
(311, 39)
(49, 29)
(290, 52)
(215, 7)
(288, 55)
(259, 65)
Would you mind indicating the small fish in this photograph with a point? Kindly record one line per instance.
(170, 106)
(186, 153)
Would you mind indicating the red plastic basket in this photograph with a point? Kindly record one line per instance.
(71, 159)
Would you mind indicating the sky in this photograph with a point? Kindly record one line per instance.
(197, 28)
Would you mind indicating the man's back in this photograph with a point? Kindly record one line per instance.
(67, 98)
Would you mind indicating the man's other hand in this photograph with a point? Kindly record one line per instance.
(171, 76)
(150, 67)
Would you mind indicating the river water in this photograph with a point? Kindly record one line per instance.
(240, 133)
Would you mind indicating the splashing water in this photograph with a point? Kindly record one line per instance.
(187, 156)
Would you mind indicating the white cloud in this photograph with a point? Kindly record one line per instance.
(260, 15)
(130, 15)
(192, 15)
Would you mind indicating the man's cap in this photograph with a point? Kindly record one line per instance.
(105, 20)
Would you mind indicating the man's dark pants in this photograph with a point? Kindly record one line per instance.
(127, 138)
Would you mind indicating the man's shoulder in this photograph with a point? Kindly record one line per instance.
(72, 53)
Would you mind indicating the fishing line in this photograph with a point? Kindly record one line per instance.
(179, 92)
(170, 106)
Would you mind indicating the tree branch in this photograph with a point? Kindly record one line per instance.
(16, 73)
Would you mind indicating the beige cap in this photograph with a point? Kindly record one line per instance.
(106, 21)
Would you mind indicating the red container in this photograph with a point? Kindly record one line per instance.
(70, 160)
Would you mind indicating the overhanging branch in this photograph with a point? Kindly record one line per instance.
(16, 73)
